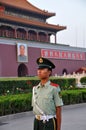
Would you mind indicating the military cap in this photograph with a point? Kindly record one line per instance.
(45, 63)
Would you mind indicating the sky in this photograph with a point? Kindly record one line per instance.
(70, 13)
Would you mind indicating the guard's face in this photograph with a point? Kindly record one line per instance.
(43, 73)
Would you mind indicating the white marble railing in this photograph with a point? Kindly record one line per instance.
(74, 75)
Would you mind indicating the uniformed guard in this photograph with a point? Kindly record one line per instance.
(46, 100)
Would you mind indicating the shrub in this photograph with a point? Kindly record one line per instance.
(16, 86)
(65, 83)
(11, 104)
(83, 94)
(83, 80)
(72, 97)
(15, 103)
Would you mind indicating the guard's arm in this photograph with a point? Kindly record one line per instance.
(58, 117)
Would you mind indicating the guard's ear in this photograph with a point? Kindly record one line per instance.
(50, 72)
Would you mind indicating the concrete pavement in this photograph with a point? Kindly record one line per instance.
(73, 118)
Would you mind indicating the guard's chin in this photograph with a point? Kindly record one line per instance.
(42, 78)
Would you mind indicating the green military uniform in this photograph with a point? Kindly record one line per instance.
(46, 98)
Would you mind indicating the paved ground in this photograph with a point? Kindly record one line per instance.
(74, 118)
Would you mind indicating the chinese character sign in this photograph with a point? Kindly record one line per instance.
(72, 55)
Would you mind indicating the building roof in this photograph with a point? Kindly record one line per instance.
(80, 70)
(25, 5)
(31, 22)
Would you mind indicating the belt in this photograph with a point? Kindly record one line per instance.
(44, 117)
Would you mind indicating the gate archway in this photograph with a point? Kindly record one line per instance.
(22, 70)
(64, 71)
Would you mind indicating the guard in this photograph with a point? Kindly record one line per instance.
(46, 100)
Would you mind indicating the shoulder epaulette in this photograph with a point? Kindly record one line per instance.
(54, 85)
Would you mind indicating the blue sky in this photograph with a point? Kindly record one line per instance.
(70, 13)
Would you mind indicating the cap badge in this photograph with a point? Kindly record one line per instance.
(40, 60)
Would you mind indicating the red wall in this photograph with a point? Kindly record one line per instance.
(9, 64)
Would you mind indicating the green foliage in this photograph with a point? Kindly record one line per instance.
(11, 104)
(17, 86)
(19, 78)
(73, 97)
(83, 80)
(65, 83)
(25, 85)
(83, 94)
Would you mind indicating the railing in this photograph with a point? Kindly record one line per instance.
(76, 76)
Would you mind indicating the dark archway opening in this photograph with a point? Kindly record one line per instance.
(22, 70)
(64, 71)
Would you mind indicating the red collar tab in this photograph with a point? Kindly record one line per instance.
(53, 84)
